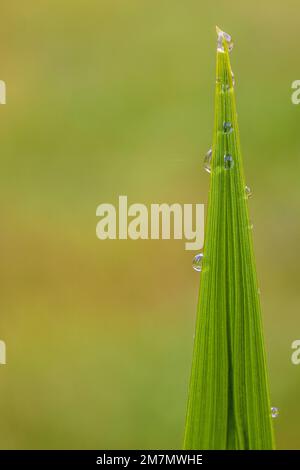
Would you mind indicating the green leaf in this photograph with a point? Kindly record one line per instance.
(228, 403)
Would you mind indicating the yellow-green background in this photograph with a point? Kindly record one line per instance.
(110, 97)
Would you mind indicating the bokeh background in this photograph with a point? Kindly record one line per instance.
(116, 97)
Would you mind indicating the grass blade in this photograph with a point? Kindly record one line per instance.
(228, 403)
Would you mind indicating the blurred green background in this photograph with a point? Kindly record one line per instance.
(116, 97)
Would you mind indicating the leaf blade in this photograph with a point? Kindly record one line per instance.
(228, 404)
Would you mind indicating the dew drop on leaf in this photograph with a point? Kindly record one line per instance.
(227, 127)
(228, 162)
(225, 87)
(274, 412)
(207, 161)
(222, 35)
(248, 192)
(197, 262)
(233, 79)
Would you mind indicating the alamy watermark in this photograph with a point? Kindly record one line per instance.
(295, 357)
(2, 343)
(2, 352)
(296, 94)
(159, 221)
(2, 92)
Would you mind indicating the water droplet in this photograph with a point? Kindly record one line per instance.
(227, 127)
(225, 87)
(258, 291)
(221, 36)
(274, 412)
(250, 226)
(207, 161)
(228, 162)
(197, 262)
(248, 192)
(233, 79)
